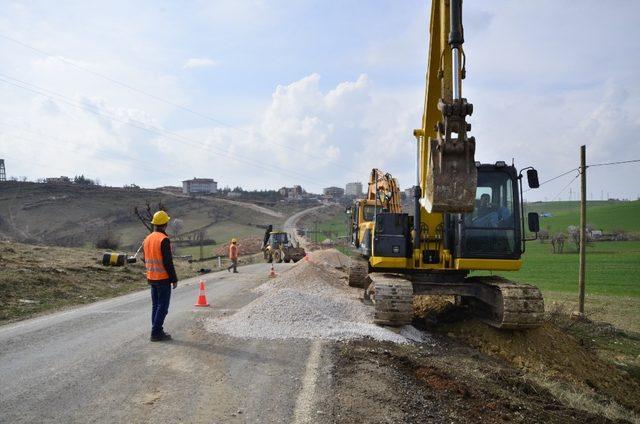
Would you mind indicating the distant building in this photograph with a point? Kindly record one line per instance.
(353, 189)
(292, 193)
(333, 192)
(408, 192)
(200, 186)
(56, 180)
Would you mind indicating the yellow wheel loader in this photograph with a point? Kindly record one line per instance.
(280, 249)
(466, 216)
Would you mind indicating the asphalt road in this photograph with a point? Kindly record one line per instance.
(96, 364)
(291, 223)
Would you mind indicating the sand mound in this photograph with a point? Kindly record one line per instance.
(309, 301)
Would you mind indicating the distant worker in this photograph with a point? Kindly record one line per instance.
(161, 274)
(267, 233)
(233, 256)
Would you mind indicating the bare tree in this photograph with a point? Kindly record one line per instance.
(175, 228)
(557, 243)
(146, 215)
(574, 235)
(543, 236)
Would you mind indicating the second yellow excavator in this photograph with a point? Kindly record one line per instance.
(466, 216)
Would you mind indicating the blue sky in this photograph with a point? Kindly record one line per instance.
(310, 92)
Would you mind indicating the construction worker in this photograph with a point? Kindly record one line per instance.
(233, 256)
(267, 233)
(161, 274)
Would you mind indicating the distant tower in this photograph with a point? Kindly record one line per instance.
(3, 173)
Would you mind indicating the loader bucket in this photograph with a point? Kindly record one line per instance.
(452, 177)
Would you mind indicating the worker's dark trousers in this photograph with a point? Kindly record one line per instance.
(160, 297)
(234, 265)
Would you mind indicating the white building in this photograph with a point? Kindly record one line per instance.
(200, 186)
(353, 189)
(333, 192)
(292, 193)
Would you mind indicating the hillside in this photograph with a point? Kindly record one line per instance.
(37, 279)
(77, 216)
(603, 215)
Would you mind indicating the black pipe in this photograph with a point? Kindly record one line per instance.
(456, 34)
(416, 216)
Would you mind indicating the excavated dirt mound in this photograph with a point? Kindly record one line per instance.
(551, 352)
(376, 382)
(548, 353)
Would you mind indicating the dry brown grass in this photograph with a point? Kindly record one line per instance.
(38, 279)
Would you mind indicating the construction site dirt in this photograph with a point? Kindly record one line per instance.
(467, 371)
(302, 347)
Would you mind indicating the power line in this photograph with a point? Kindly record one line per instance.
(588, 166)
(565, 187)
(165, 101)
(147, 127)
(558, 176)
(614, 163)
(552, 179)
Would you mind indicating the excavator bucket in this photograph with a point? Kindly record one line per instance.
(452, 176)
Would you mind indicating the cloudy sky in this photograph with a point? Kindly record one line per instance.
(266, 93)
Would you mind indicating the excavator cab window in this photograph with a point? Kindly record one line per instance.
(369, 212)
(491, 229)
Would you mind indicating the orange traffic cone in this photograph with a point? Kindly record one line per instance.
(202, 298)
(272, 273)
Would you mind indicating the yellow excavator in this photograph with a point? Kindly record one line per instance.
(466, 216)
(383, 196)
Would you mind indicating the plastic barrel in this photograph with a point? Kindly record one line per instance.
(114, 259)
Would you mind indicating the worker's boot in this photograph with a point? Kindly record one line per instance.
(160, 337)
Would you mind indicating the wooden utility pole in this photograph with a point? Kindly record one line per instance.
(583, 225)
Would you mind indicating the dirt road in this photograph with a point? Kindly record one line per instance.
(291, 223)
(96, 364)
(293, 351)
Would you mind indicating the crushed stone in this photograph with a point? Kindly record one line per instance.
(310, 301)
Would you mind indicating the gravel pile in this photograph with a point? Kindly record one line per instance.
(309, 301)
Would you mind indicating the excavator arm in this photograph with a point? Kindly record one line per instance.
(447, 175)
(384, 190)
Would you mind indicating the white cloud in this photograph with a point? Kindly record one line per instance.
(535, 99)
(202, 62)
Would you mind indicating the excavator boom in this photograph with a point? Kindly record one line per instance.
(447, 171)
(466, 216)
(383, 189)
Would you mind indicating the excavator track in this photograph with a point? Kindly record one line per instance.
(358, 273)
(392, 296)
(513, 307)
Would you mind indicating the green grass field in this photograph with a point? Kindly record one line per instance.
(336, 225)
(602, 215)
(613, 268)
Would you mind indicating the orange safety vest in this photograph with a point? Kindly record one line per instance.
(233, 251)
(153, 256)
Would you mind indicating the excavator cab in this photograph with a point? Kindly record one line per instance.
(492, 229)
